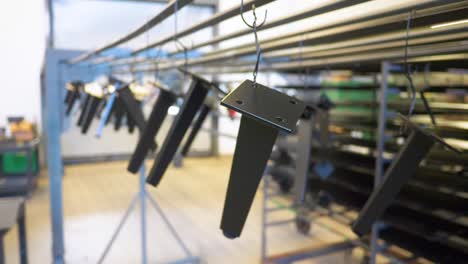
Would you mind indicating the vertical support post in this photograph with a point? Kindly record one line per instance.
(23, 244)
(144, 254)
(266, 186)
(51, 39)
(2, 247)
(379, 161)
(214, 137)
(55, 167)
(303, 158)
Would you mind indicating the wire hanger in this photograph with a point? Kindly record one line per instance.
(255, 27)
(423, 96)
(179, 45)
(409, 78)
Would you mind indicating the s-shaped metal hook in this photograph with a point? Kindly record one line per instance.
(254, 26)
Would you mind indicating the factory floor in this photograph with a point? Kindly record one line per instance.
(97, 195)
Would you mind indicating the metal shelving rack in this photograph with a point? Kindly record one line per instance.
(353, 35)
(404, 219)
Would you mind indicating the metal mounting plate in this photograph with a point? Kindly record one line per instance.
(260, 102)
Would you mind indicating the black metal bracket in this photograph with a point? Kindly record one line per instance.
(72, 95)
(158, 114)
(82, 116)
(119, 112)
(404, 165)
(203, 113)
(132, 107)
(197, 93)
(90, 113)
(264, 112)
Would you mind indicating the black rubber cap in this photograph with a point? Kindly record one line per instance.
(229, 235)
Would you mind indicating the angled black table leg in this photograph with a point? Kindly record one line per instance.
(155, 120)
(264, 112)
(205, 110)
(68, 96)
(253, 149)
(132, 107)
(75, 95)
(196, 96)
(90, 113)
(403, 166)
(118, 114)
(130, 124)
(83, 110)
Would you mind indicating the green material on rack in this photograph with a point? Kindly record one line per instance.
(15, 163)
(347, 84)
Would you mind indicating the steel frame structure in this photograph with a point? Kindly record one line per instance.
(340, 55)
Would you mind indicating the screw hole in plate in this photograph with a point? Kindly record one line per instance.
(240, 102)
(280, 119)
(293, 102)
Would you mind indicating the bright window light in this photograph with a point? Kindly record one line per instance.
(173, 110)
(450, 23)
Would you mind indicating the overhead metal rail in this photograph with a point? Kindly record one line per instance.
(215, 19)
(448, 48)
(165, 13)
(374, 43)
(461, 28)
(313, 11)
(356, 30)
(392, 40)
(203, 3)
(393, 14)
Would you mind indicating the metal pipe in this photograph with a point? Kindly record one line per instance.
(427, 8)
(319, 37)
(316, 10)
(363, 57)
(165, 13)
(391, 40)
(217, 18)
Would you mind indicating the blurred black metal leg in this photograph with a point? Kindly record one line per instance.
(132, 107)
(156, 118)
(83, 110)
(205, 110)
(130, 124)
(404, 165)
(189, 109)
(265, 111)
(74, 97)
(90, 113)
(118, 114)
(253, 148)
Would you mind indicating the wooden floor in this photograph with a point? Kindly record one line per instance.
(96, 196)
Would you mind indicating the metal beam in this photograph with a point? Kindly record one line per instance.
(203, 3)
(320, 37)
(378, 21)
(394, 14)
(392, 40)
(165, 13)
(217, 18)
(316, 10)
